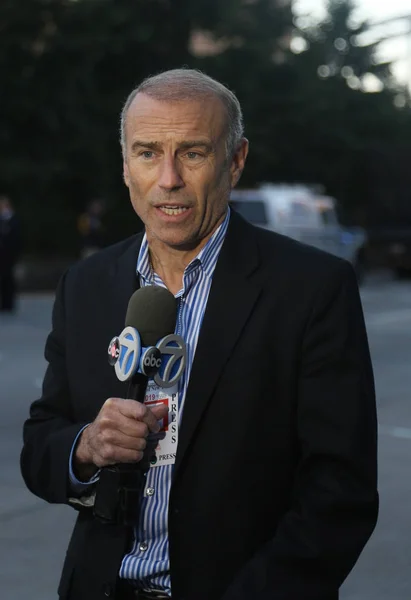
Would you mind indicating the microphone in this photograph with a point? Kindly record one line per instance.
(146, 348)
(152, 313)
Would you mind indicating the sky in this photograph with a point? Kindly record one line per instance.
(397, 49)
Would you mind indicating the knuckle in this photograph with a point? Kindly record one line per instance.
(109, 403)
(104, 422)
(110, 406)
(144, 431)
(106, 436)
(141, 410)
(106, 452)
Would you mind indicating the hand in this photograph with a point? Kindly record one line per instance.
(117, 435)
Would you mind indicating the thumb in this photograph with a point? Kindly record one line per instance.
(160, 411)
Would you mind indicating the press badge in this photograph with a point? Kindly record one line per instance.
(165, 452)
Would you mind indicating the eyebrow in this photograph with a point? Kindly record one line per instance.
(142, 144)
(196, 144)
(183, 145)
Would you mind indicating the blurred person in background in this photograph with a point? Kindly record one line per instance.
(91, 228)
(273, 490)
(10, 247)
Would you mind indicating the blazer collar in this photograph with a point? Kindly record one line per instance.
(123, 281)
(232, 297)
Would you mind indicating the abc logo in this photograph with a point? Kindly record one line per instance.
(151, 361)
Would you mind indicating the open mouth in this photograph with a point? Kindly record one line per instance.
(173, 210)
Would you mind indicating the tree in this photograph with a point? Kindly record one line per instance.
(335, 125)
(76, 61)
(68, 65)
(337, 46)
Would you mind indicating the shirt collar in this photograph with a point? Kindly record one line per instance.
(209, 254)
(207, 257)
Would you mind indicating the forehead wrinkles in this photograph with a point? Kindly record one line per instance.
(198, 118)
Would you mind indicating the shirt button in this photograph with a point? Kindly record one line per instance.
(150, 491)
(143, 546)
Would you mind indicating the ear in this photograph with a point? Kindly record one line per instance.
(238, 162)
(126, 174)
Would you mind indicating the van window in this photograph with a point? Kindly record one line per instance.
(301, 212)
(329, 216)
(252, 210)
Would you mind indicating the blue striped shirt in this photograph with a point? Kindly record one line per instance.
(148, 561)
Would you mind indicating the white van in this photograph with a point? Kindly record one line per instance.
(304, 214)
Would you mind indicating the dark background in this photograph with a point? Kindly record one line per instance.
(67, 67)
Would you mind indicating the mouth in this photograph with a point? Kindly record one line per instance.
(172, 210)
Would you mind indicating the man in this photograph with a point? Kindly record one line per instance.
(9, 254)
(273, 491)
(90, 228)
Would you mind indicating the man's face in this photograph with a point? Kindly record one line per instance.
(176, 168)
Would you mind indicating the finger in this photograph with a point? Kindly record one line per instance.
(127, 407)
(115, 455)
(117, 422)
(136, 410)
(113, 420)
(115, 438)
(160, 411)
(153, 416)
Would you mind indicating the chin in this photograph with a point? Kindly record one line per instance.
(182, 244)
(172, 237)
(179, 242)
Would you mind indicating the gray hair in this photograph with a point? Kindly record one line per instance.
(189, 84)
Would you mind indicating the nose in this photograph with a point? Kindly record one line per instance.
(169, 176)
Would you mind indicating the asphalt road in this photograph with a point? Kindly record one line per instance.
(34, 535)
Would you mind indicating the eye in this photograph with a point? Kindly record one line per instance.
(193, 155)
(147, 154)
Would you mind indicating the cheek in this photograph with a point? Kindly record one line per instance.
(221, 188)
(139, 181)
(136, 192)
(210, 183)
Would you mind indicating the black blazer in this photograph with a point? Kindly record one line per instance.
(274, 491)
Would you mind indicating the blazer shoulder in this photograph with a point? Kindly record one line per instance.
(300, 261)
(95, 269)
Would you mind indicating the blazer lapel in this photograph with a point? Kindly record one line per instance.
(231, 300)
(124, 282)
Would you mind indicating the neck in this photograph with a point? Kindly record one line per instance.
(169, 265)
(170, 262)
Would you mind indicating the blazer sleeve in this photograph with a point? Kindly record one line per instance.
(50, 431)
(335, 500)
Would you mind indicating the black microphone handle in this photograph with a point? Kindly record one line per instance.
(120, 486)
(126, 481)
(137, 387)
(137, 391)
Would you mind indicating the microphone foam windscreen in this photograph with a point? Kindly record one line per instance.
(152, 310)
